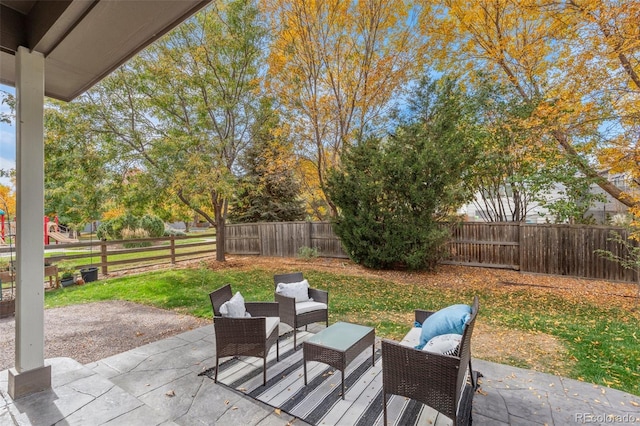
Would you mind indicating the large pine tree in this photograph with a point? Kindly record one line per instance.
(269, 190)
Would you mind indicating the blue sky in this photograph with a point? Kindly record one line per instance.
(7, 140)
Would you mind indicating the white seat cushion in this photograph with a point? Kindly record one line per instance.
(304, 307)
(412, 338)
(272, 323)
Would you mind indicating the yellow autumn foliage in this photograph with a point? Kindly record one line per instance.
(334, 66)
(8, 200)
(576, 61)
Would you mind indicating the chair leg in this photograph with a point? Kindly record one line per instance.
(295, 335)
(264, 370)
(277, 349)
(384, 402)
(215, 377)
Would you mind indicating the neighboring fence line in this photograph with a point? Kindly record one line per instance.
(101, 253)
(538, 248)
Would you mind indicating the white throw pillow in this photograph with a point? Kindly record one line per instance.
(446, 344)
(234, 307)
(299, 290)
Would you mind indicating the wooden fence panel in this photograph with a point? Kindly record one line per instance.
(243, 239)
(485, 244)
(325, 240)
(283, 239)
(570, 250)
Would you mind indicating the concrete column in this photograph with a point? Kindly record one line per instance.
(30, 374)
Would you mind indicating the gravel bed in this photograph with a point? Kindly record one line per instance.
(92, 331)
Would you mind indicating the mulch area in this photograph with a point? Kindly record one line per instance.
(624, 295)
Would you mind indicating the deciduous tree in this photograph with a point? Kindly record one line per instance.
(77, 178)
(335, 67)
(7, 201)
(575, 63)
(201, 84)
(181, 112)
(512, 178)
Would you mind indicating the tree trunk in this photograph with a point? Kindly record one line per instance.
(220, 235)
(603, 183)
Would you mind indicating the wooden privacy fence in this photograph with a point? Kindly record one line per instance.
(545, 248)
(569, 250)
(485, 244)
(282, 239)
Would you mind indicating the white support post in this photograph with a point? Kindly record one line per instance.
(30, 374)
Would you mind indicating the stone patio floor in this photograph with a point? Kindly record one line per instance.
(158, 384)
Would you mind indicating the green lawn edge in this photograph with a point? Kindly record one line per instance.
(601, 342)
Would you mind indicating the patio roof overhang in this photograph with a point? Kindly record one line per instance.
(59, 48)
(83, 40)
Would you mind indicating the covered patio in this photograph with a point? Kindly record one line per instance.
(161, 384)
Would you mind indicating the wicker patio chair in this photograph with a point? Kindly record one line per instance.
(301, 314)
(443, 382)
(250, 336)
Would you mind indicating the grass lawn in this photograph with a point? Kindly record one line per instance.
(599, 338)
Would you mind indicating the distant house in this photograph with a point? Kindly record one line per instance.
(602, 212)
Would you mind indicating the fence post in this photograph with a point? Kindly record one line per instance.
(173, 250)
(521, 248)
(308, 236)
(103, 257)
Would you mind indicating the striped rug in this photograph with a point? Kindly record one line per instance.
(320, 402)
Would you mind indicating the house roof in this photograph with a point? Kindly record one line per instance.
(83, 40)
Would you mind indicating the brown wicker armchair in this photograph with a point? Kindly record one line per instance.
(296, 315)
(250, 336)
(442, 382)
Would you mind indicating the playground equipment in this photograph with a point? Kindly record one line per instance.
(52, 231)
(2, 214)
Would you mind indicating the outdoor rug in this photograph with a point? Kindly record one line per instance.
(321, 403)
